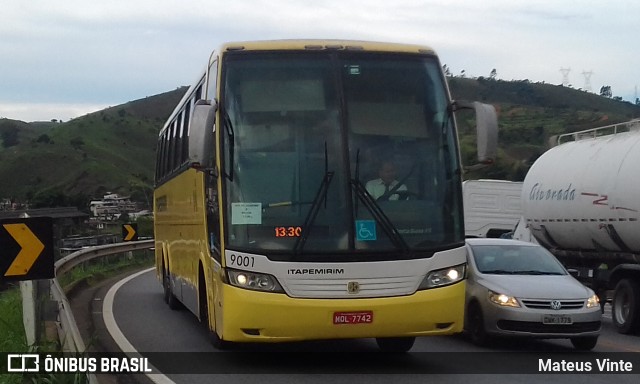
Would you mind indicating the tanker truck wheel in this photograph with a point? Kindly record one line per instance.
(626, 306)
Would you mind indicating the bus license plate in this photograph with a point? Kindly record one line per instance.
(361, 317)
(556, 319)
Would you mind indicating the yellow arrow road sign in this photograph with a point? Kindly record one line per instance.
(131, 232)
(31, 249)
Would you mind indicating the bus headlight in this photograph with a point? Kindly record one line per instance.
(442, 277)
(254, 281)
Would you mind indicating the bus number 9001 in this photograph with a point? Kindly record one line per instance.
(241, 261)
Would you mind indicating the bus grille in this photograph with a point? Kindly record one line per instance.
(366, 287)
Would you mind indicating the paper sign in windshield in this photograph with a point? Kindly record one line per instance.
(246, 213)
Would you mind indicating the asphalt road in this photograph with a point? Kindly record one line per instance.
(131, 315)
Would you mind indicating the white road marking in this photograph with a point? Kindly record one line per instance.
(116, 333)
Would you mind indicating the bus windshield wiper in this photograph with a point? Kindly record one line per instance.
(380, 217)
(313, 212)
(315, 205)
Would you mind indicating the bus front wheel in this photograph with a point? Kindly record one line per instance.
(217, 342)
(395, 344)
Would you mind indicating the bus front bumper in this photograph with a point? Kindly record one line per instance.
(251, 316)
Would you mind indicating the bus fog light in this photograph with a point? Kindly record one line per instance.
(254, 281)
(442, 277)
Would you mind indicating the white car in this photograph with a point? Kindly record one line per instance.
(516, 288)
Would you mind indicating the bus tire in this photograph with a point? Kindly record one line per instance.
(395, 344)
(203, 305)
(625, 305)
(169, 297)
(217, 342)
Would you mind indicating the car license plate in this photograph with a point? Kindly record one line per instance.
(556, 319)
(360, 317)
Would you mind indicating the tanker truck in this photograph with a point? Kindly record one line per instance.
(581, 200)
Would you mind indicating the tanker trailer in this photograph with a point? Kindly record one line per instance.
(581, 200)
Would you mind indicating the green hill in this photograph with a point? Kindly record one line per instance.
(529, 114)
(113, 150)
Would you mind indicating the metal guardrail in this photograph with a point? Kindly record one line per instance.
(68, 332)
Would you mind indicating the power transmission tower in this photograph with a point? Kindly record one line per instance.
(587, 80)
(565, 76)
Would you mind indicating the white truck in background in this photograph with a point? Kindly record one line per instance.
(491, 207)
(581, 200)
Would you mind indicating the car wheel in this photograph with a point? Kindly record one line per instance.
(584, 343)
(395, 344)
(475, 326)
(625, 311)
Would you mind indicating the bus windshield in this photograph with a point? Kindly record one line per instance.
(338, 153)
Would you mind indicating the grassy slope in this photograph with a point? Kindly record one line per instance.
(109, 150)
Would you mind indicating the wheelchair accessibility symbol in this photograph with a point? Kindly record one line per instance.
(365, 230)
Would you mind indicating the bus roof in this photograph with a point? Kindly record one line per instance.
(316, 45)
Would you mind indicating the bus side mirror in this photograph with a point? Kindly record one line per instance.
(201, 138)
(486, 131)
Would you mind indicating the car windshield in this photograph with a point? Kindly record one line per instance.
(515, 260)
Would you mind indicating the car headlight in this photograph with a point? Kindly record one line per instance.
(254, 281)
(503, 300)
(593, 301)
(442, 277)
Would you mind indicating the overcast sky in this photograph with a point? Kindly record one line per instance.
(63, 59)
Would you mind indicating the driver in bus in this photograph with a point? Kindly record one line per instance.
(385, 187)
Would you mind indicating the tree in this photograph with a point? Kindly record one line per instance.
(446, 70)
(9, 137)
(44, 138)
(606, 91)
(493, 74)
(9, 133)
(76, 142)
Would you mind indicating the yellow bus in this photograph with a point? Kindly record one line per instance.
(274, 217)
